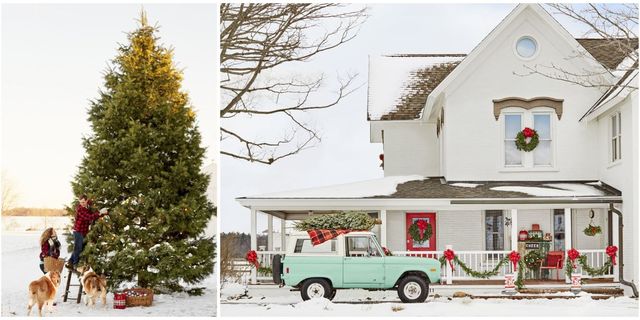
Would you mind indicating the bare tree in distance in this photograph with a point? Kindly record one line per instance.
(259, 46)
(9, 193)
(618, 24)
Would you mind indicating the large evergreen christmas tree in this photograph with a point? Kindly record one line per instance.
(143, 161)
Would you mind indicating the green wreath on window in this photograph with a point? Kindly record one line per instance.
(521, 139)
(414, 231)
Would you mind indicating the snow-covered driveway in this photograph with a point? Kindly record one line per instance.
(20, 266)
(273, 301)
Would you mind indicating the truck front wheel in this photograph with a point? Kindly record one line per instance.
(413, 289)
(316, 288)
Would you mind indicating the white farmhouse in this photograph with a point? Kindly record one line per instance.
(449, 123)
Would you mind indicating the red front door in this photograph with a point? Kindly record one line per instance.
(428, 245)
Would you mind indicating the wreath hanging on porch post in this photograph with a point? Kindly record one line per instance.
(521, 139)
(420, 231)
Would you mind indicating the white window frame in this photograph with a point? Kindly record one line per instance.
(527, 121)
(504, 139)
(551, 134)
(616, 156)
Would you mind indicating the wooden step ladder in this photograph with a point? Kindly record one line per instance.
(66, 290)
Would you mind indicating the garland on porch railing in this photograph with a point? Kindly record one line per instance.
(573, 255)
(513, 257)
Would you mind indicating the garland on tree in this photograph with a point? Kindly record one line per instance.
(521, 139)
(420, 231)
(347, 220)
(573, 255)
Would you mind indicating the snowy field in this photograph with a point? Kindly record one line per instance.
(20, 266)
(273, 301)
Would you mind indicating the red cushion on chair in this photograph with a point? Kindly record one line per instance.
(554, 260)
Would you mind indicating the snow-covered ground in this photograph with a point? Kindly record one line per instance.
(273, 301)
(20, 266)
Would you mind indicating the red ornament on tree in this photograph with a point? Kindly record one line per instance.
(449, 255)
(612, 252)
(514, 257)
(252, 257)
(573, 254)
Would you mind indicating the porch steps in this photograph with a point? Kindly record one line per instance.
(532, 297)
(614, 292)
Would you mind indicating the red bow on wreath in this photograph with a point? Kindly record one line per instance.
(252, 257)
(422, 225)
(573, 254)
(449, 255)
(528, 132)
(514, 257)
(611, 252)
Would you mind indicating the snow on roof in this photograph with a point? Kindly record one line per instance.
(362, 189)
(394, 79)
(555, 190)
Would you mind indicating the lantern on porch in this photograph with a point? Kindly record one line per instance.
(523, 235)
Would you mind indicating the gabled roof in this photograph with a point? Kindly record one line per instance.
(399, 84)
(609, 52)
(409, 94)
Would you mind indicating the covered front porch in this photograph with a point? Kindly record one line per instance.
(481, 230)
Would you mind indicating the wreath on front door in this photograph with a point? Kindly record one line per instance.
(420, 231)
(521, 139)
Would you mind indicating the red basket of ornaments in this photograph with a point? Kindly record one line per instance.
(119, 300)
(139, 297)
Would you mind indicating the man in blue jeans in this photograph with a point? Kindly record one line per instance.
(84, 218)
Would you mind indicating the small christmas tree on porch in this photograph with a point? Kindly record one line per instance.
(143, 161)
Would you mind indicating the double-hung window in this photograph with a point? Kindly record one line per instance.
(512, 125)
(542, 153)
(616, 135)
(541, 121)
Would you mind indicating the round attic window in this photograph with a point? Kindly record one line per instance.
(526, 47)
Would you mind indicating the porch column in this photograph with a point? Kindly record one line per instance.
(383, 228)
(269, 232)
(567, 238)
(254, 242)
(283, 235)
(615, 219)
(514, 229)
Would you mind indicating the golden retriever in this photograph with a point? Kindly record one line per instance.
(93, 285)
(43, 291)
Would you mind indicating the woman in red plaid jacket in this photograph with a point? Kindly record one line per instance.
(84, 218)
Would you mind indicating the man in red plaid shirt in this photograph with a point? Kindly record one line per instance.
(84, 218)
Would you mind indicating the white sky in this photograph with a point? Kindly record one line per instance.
(345, 153)
(53, 59)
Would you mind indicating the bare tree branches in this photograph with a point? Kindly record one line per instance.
(260, 47)
(611, 40)
(9, 193)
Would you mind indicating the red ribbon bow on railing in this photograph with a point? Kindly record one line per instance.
(252, 257)
(612, 252)
(514, 257)
(573, 254)
(449, 255)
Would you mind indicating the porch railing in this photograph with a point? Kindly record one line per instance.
(595, 259)
(476, 260)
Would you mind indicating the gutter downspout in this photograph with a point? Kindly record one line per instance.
(620, 260)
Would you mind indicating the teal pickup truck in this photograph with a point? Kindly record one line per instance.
(352, 261)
